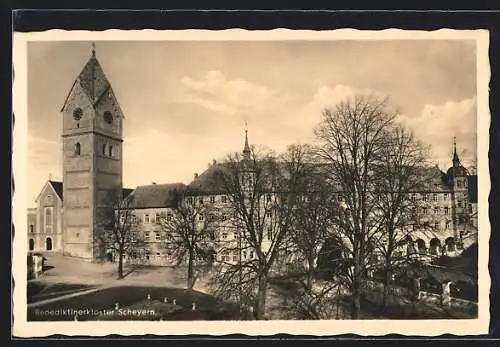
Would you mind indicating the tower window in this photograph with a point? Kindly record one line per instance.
(78, 148)
(110, 151)
(48, 216)
(32, 228)
(104, 149)
(108, 117)
(77, 114)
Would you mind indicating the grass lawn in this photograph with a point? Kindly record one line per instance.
(133, 304)
(38, 291)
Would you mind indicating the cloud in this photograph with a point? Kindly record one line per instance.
(436, 125)
(327, 96)
(305, 117)
(236, 97)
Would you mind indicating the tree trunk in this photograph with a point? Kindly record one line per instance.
(387, 284)
(261, 299)
(310, 272)
(190, 275)
(388, 269)
(120, 264)
(356, 292)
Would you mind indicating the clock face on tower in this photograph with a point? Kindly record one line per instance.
(108, 117)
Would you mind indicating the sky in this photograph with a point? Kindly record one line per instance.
(186, 102)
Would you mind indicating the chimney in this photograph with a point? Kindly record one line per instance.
(195, 175)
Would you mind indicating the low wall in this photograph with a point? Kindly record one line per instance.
(430, 298)
(452, 302)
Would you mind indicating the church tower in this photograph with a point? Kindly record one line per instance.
(92, 123)
(247, 167)
(457, 175)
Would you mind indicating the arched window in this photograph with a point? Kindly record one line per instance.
(48, 216)
(77, 114)
(104, 149)
(31, 244)
(32, 228)
(110, 151)
(450, 244)
(48, 244)
(78, 148)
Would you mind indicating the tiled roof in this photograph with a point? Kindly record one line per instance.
(156, 195)
(209, 181)
(435, 179)
(126, 192)
(92, 80)
(58, 187)
(472, 184)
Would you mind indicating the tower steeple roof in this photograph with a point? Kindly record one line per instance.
(457, 170)
(456, 160)
(246, 149)
(92, 79)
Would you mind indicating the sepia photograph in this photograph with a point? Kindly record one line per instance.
(259, 179)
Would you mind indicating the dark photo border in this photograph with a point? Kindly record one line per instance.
(25, 20)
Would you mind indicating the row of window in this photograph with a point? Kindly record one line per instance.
(213, 199)
(446, 209)
(157, 236)
(225, 234)
(226, 255)
(458, 220)
(153, 219)
(201, 199)
(107, 150)
(430, 197)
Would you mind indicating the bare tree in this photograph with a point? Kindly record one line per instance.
(262, 193)
(351, 137)
(399, 176)
(313, 214)
(120, 234)
(188, 232)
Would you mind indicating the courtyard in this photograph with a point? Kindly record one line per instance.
(72, 289)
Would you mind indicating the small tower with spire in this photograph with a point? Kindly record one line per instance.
(246, 149)
(247, 169)
(456, 160)
(457, 176)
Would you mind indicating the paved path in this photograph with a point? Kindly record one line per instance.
(66, 296)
